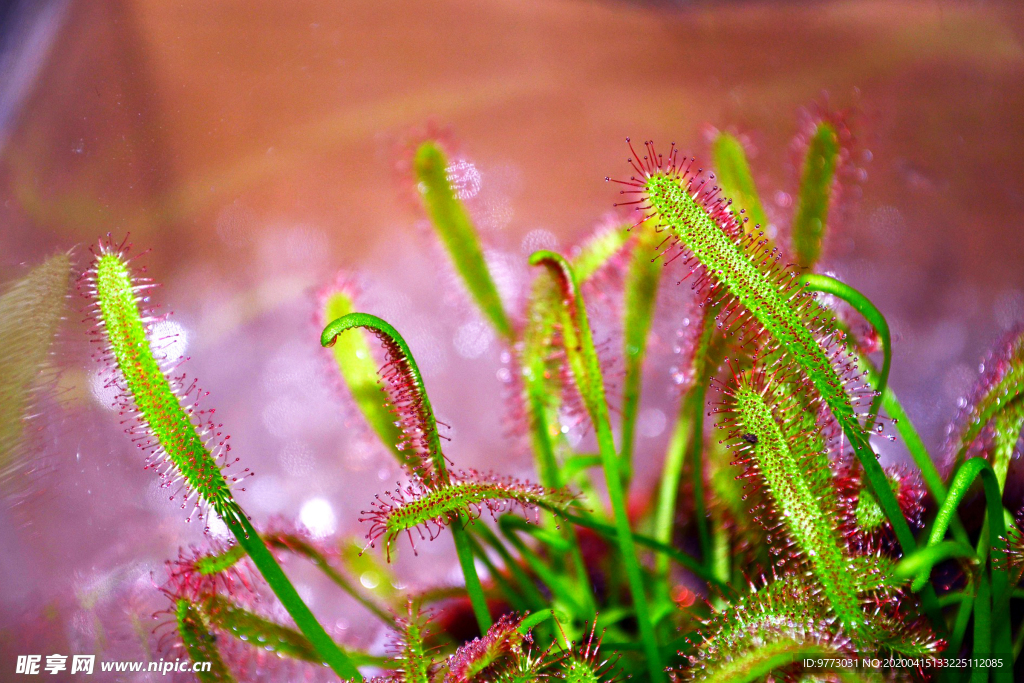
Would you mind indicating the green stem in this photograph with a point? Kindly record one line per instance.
(551, 477)
(688, 438)
(958, 488)
(921, 562)
(559, 542)
(583, 361)
(324, 645)
(459, 235)
(508, 590)
(863, 305)
(1018, 642)
(540, 438)
(963, 616)
(918, 452)
(994, 591)
(298, 546)
(559, 588)
(954, 598)
(474, 588)
(982, 629)
(624, 535)
(609, 531)
(526, 583)
(696, 448)
(641, 283)
(886, 398)
(912, 440)
(668, 491)
(721, 552)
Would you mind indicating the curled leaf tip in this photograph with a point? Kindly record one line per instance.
(408, 395)
(357, 369)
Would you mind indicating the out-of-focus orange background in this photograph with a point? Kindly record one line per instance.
(210, 129)
(159, 117)
(252, 145)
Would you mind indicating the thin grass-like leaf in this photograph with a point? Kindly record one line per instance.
(738, 183)
(456, 231)
(815, 197)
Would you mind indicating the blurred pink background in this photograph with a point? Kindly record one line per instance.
(252, 146)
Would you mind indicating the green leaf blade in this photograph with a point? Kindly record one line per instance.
(815, 197)
(737, 182)
(459, 236)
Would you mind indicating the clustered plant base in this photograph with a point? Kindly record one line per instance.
(807, 557)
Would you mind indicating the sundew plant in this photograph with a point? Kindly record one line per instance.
(774, 545)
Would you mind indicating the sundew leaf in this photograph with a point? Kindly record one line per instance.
(216, 563)
(456, 231)
(816, 189)
(763, 632)
(502, 640)
(409, 401)
(257, 631)
(583, 361)
(575, 328)
(541, 377)
(1006, 432)
(787, 647)
(761, 299)
(413, 658)
(584, 662)
(200, 643)
(431, 476)
(738, 183)
(541, 372)
(597, 250)
(1009, 555)
(358, 370)
(796, 476)
(1000, 386)
(862, 521)
(183, 443)
(427, 510)
(30, 312)
(787, 458)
